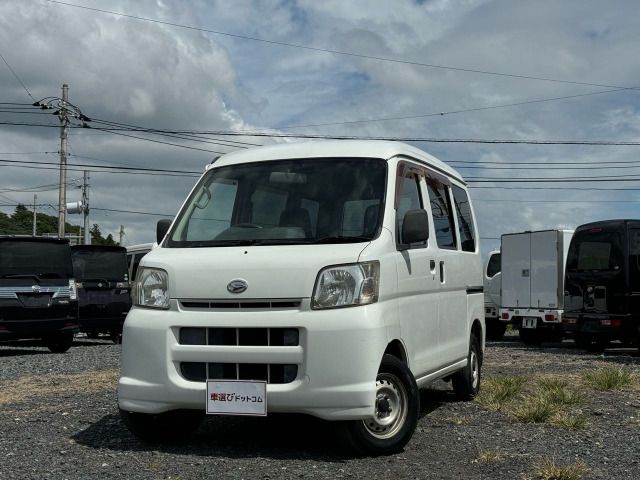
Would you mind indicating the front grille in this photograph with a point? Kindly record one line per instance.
(13, 292)
(270, 373)
(255, 337)
(239, 305)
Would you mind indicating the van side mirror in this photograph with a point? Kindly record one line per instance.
(415, 227)
(162, 227)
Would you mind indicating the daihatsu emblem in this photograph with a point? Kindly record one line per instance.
(35, 288)
(237, 286)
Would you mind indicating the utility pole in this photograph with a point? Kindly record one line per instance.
(35, 198)
(62, 192)
(85, 204)
(121, 234)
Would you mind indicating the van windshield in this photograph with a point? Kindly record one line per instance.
(34, 259)
(320, 200)
(93, 264)
(595, 250)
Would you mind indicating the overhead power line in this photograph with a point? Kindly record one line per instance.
(17, 77)
(341, 52)
(341, 137)
(451, 112)
(133, 212)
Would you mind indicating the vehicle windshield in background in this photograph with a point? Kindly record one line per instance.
(329, 200)
(93, 264)
(595, 250)
(38, 259)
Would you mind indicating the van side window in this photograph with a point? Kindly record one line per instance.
(465, 219)
(442, 217)
(493, 266)
(408, 199)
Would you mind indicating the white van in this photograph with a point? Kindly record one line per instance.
(327, 278)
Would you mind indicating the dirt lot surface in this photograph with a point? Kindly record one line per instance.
(59, 420)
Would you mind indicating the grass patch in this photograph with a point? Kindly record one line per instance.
(548, 400)
(51, 386)
(549, 470)
(558, 392)
(570, 422)
(490, 456)
(608, 378)
(498, 391)
(536, 409)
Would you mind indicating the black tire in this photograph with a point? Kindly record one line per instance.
(591, 343)
(58, 343)
(531, 337)
(386, 433)
(163, 427)
(466, 382)
(495, 329)
(93, 335)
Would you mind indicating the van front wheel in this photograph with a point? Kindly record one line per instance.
(395, 416)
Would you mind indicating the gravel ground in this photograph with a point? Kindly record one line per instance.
(58, 420)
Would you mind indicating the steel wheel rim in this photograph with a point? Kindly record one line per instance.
(391, 407)
(475, 370)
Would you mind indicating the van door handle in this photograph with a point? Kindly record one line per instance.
(441, 271)
(432, 267)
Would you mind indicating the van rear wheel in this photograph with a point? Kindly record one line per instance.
(466, 382)
(162, 427)
(395, 417)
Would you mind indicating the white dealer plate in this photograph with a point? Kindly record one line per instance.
(529, 322)
(236, 397)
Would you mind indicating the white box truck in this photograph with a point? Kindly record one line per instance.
(495, 327)
(533, 267)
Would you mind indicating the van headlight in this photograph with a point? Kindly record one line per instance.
(346, 285)
(151, 288)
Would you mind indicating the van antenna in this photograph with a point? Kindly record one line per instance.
(214, 160)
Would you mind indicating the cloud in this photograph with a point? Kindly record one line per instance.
(156, 75)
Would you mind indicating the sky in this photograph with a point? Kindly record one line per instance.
(449, 69)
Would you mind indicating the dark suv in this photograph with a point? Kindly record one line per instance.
(104, 292)
(602, 287)
(37, 291)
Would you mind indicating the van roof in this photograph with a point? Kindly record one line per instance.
(335, 149)
(27, 238)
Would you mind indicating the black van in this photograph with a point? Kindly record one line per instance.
(602, 287)
(37, 291)
(104, 292)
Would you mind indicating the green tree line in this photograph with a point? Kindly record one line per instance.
(21, 223)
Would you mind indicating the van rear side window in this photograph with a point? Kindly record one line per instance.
(442, 217)
(465, 219)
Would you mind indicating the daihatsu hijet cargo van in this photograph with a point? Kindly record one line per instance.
(327, 278)
(38, 298)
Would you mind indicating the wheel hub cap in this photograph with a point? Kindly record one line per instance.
(390, 407)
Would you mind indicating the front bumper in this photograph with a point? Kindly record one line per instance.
(338, 356)
(29, 329)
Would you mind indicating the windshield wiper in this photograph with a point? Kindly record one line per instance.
(341, 239)
(21, 275)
